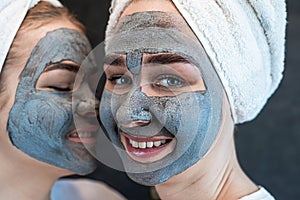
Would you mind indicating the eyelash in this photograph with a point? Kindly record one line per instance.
(160, 78)
(60, 89)
(157, 83)
(114, 78)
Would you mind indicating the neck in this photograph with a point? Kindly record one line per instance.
(23, 177)
(216, 176)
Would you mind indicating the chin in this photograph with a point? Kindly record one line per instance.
(147, 179)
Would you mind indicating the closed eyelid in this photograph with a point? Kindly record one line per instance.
(58, 78)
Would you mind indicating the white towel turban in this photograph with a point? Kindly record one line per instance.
(244, 40)
(12, 14)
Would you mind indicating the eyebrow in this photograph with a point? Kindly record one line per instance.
(117, 60)
(166, 58)
(69, 67)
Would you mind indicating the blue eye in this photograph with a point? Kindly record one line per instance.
(123, 80)
(120, 80)
(169, 81)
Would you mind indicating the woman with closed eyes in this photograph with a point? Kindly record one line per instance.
(42, 49)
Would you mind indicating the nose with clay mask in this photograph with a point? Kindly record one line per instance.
(135, 111)
(139, 114)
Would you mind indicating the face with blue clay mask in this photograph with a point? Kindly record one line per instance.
(162, 101)
(41, 119)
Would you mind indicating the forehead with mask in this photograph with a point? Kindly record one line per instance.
(162, 101)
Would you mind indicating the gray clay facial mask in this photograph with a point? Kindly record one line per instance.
(40, 121)
(159, 133)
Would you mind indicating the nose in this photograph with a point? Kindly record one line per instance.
(86, 104)
(135, 111)
(87, 108)
(133, 124)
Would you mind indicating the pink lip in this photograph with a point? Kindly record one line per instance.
(146, 155)
(74, 137)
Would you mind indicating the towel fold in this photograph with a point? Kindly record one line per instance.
(12, 14)
(245, 41)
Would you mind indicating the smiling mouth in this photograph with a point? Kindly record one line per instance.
(83, 136)
(147, 149)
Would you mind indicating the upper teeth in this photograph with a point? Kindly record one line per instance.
(85, 135)
(144, 145)
(81, 135)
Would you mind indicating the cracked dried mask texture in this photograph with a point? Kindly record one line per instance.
(39, 121)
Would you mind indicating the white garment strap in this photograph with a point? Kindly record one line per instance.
(261, 194)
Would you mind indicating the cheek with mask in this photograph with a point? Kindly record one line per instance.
(158, 132)
(41, 119)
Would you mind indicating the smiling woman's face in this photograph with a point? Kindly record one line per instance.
(40, 121)
(156, 94)
(163, 95)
